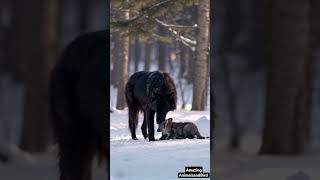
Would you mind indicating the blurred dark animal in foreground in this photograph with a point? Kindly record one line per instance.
(179, 130)
(78, 105)
(3, 157)
(150, 92)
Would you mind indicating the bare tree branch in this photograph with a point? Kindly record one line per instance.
(186, 41)
(145, 12)
(175, 25)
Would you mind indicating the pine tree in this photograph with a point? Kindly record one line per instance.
(200, 64)
(148, 15)
(123, 64)
(35, 128)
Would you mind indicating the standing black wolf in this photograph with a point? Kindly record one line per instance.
(78, 105)
(150, 92)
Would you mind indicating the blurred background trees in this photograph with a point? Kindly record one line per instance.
(32, 35)
(266, 74)
(123, 61)
(166, 35)
(201, 62)
(289, 78)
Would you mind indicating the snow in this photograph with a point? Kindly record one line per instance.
(39, 166)
(157, 160)
(161, 160)
(245, 164)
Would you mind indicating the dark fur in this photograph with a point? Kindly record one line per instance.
(150, 92)
(3, 157)
(179, 130)
(78, 105)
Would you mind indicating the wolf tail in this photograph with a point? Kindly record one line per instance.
(199, 135)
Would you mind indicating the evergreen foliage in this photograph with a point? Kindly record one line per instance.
(176, 16)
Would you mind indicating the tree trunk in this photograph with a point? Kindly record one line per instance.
(181, 57)
(190, 58)
(314, 23)
(3, 43)
(314, 39)
(84, 11)
(51, 32)
(213, 32)
(183, 61)
(171, 48)
(115, 59)
(257, 30)
(123, 65)
(136, 57)
(162, 56)
(35, 129)
(230, 23)
(18, 43)
(232, 100)
(51, 43)
(288, 78)
(148, 56)
(205, 98)
(200, 64)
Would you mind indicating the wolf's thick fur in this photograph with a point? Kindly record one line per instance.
(179, 130)
(78, 105)
(150, 92)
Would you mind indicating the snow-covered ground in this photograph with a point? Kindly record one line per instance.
(245, 164)
(42, 166)
(157, 160)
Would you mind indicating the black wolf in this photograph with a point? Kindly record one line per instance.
(150, 92)
(180, 130)
(78, 105)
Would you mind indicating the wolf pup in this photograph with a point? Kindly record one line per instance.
(180, 130)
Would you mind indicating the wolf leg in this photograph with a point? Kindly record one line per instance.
(144, 125)
(171, 136)
(133, 122)
(164, 137)
(150, 117)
